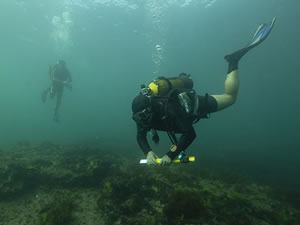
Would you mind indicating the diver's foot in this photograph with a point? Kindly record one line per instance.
(236, 56)
(259, 36)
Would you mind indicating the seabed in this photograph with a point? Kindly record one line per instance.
(52, 184)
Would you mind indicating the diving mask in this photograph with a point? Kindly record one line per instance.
(143, 116)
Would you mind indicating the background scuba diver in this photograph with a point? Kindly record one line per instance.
(153, 112)
(59, 77)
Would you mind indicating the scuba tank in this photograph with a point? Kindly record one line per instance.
(162, 86)
(166, 87)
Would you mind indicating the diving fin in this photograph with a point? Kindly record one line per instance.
(261, 33)
(259, 36)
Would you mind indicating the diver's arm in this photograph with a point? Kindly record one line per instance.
(186, 139)
(68, 77)
(184, 142)
(231, 91)
(142, 139)
(185, 126)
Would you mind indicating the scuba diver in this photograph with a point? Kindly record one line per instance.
(59, 78)
(172, 105)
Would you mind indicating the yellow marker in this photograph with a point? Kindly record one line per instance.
(190, 159)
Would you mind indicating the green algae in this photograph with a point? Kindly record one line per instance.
(59, 212)
(129, 193)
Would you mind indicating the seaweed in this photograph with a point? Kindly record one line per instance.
(58, 212)
(185, 206)
(127, 193)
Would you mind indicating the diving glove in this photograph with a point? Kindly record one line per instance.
(165, 160)
(151, 158)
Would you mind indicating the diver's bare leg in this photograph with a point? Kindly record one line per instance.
(231, 91)
(232, 81)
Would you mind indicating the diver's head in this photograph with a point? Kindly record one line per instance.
(61, 63)
(141, 109)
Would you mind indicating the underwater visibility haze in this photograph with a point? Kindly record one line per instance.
(111, 47)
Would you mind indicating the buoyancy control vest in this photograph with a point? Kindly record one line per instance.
(187, 99)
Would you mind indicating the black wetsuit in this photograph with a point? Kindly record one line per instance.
(173, 118)
(61, 75)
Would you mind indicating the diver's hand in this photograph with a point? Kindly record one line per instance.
(151, 158)
(165, 160)
(68, 84)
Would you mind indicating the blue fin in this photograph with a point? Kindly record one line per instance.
(261, 33)
(259, 36)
